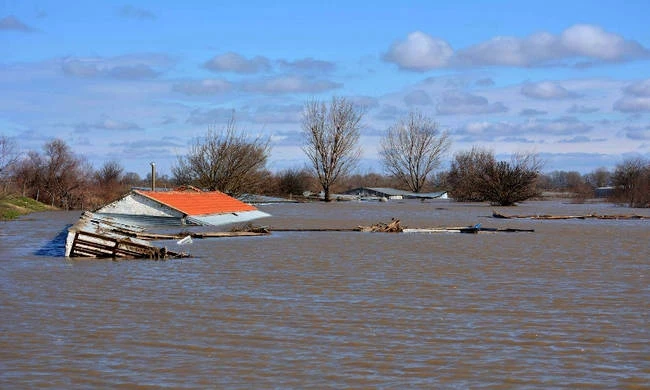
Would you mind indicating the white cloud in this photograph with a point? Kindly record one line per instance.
(632, 104)
(457, 102)
(420, 52)
(591, 41)
(485, 131)
(365, 102)
(532, 112)
(389, 112)
(236, 63)
(129, 11)
(581, 109)
(308, 65)
(216, 115)
(289, 84)
(637, 133)
(582, 44)
(577, 140)
(129, 67)
(277, 114)
(485, 82)
(509, 131)
(132, 72)
(567, 125)
(203, 87)
(509, 51)
(636, 98)
(641, 88)
(106, 124)
(417, 98)
(546, 90)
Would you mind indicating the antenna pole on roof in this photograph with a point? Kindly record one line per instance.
(153, 176)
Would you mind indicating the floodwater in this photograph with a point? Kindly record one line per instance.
(567, 306)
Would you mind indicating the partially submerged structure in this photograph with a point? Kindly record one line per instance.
(113, 230)
(99, 237)
(182, 206)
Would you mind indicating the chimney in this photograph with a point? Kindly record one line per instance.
(153, 176)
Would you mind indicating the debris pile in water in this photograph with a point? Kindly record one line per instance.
(392, 227)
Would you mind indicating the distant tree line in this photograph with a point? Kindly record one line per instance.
(231, 161)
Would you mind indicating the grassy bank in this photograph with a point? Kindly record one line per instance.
(12, 206)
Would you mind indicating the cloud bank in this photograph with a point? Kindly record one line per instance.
(422, 52)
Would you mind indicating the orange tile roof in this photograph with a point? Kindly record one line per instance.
(198, 202)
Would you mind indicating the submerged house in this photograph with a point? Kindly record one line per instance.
(114, 230)
(182, 206)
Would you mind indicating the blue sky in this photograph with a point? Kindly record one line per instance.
(137, 81)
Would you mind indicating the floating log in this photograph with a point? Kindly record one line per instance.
(551, 217)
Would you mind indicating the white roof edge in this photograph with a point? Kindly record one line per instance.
(227, 218)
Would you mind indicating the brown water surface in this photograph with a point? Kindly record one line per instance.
(564, 307)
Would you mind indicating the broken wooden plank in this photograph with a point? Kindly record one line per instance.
(99, 238)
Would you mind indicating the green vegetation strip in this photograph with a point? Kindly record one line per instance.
(12, 206)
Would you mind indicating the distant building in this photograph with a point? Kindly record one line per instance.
(391, 193)
(604, 192)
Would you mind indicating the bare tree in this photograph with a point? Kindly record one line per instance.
(28, 174)
(413, 148)
(331, 139)
(57, 176)
(601, 177)
(131, 179)
(110, 173)
(478, 176)
(109, 180)
(293, 182)
(506, 183)
(227, 161)
(65, 175)
(632, 182)
(8, 158)
(465, 172)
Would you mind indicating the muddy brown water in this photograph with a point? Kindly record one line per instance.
(567, 306)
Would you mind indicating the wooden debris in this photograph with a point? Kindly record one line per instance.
(87, 244)
(392, 227)
(551, 217)
(105, 238)
(250, 228)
